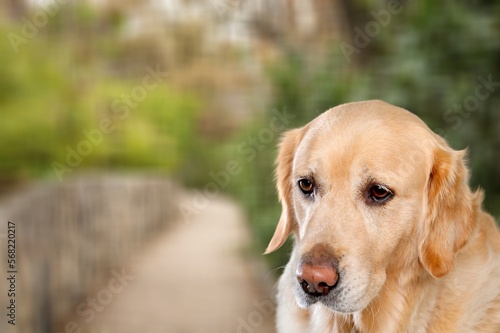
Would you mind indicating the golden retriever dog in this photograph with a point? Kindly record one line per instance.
(388, 236)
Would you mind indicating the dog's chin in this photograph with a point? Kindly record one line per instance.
(335, 301)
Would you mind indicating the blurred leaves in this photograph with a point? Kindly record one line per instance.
(47, 100)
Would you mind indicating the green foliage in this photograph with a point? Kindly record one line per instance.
(46, 102)
(254, 185)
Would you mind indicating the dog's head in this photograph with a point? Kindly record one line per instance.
(368, 190)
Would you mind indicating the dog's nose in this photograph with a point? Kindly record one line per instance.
(317, 280)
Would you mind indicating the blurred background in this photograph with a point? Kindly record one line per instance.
(137, 141)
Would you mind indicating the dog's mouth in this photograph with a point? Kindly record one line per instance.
(322, 289)
(332, 300)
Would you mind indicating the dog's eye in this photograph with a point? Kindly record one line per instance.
(306, 186)
(380, 193)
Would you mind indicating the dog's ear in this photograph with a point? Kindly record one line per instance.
(451, 212)
(289, 143)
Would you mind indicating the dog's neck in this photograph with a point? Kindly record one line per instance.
(398, 302)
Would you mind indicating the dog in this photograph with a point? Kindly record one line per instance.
(388, 236)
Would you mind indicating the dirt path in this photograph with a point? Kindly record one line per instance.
(194, 279)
